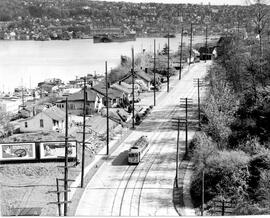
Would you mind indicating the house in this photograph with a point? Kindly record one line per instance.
(127, 89)
(76, 102)
(50, 119)
(141, 78)
(10, 104)
(115, 96)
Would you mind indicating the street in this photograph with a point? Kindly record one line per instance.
(146, 189)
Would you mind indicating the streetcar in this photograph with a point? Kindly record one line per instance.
(136, 152)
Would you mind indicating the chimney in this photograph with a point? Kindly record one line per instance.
(119, 82)
(146, 70)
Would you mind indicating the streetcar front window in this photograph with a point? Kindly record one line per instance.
(132, 155)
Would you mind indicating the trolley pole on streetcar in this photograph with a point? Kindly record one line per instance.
(154, 72)
(83, 140)
(107, 107)
(181, 51)
(132, 71)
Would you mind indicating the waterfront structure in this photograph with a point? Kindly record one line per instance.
(50, 119)
(113, 35)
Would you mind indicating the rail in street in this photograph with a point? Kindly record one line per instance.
(119, 189)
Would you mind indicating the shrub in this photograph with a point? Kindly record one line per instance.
(226, 174)
(257, 164)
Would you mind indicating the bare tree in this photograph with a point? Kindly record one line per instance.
(260, 20)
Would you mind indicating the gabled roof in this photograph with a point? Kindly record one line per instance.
(143, 75)
(55, 113)
(121, 87)
(79, 96)
(137, 74)
(112, 93)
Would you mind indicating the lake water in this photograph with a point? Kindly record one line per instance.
(29, 62)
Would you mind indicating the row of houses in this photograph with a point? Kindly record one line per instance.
(119, 96)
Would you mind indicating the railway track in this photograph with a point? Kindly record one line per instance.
(143, 172)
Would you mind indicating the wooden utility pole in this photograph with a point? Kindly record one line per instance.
(186, 126)
(202, 208)
(83, 140)
(199, 102)
(198, 83)
(154, 72)
(181, 54)
(107, 107)
(190, 50)
(206, 37)
(133, 93)
(58, 197)
(186, 102)
(66, 163)
(177, 152)
(168, 73)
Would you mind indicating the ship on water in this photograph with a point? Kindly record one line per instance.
(106, 35)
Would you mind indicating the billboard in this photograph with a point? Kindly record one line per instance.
(17, 151)
(55, 150)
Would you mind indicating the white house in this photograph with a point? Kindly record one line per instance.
(10, 104)
(52, 118)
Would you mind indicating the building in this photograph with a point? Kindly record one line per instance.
(10, 104)
(76, 102)
(50, 119)
(116, 97)
(127, 89)
(141, 78)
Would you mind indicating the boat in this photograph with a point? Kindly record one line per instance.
(169, 35)
(112, 37)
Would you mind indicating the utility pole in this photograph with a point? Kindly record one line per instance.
(132, 71)
(154, 72)
(58, 197)
(198, 83)
(84, 114)
(202, 208)
(168, 73)
(186, 126)
(187, 102)
(107, 107)
(206, 37)
(199, 110)
(177, 152)
(190, 50)
(66, 162)
(181, 54)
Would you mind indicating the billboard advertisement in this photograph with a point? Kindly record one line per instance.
(55, 150)
(17, 151)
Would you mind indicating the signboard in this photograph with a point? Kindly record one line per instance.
(56, 150)
(17, 151)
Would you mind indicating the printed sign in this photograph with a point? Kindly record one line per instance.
(55, 150)
(17, 151)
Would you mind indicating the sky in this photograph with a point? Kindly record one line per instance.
(212, 2)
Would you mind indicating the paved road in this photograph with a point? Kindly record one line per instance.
(119, 189)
